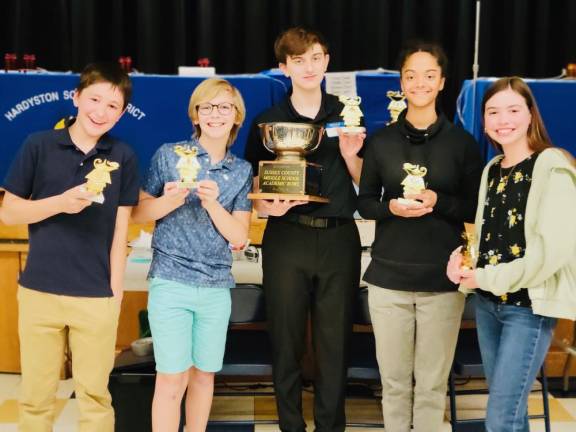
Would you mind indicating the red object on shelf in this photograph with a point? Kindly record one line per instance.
(125, 63)
(29, 61)
(203, 62)
(10, 60)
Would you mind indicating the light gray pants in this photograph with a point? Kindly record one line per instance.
(416, 335)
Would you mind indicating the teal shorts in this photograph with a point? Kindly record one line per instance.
(189, 325)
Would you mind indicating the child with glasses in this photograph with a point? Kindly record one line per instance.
(190, 277)
(224, 108)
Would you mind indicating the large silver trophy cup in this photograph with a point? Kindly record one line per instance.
(290, 176)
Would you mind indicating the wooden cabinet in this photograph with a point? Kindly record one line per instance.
(128, 325)
(11, 262)
(9, 345)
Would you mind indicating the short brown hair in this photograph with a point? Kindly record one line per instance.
(296, 41)
(106, 72)
(538, 139)
(208, 90)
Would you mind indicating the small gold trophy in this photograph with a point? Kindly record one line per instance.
(99, 177)
(187, 166)
(413, 183)
(396, 105)
(351, 114)
(469, 252)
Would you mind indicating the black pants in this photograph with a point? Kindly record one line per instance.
(316, 271)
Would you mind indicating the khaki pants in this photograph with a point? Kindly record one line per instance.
(45, 322)
(416, 334)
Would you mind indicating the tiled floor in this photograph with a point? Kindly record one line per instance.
(262, 408)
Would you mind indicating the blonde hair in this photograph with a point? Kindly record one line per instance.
(208, 90)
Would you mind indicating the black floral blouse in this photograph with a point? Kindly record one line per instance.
(503, 222)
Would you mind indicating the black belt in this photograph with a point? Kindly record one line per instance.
(315, 222)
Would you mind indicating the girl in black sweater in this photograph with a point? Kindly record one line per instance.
(415, 309)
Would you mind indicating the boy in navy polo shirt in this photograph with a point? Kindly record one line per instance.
(190, 277)
(71, 288)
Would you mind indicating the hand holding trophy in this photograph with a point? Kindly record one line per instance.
(187, 166)
(469, 252)
(463, 260)
(413, 183)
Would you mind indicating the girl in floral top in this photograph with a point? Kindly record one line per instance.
(527, 238)
(503, 225)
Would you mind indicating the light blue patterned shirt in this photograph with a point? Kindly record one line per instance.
(187, 246)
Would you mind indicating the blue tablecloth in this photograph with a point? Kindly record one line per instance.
(555, 100)
(158, 112)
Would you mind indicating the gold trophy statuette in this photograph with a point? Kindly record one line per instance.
(290, 176)
(187, 166)
(397, 104)
(469, 253)
(351, 114)
(99, 177)
(413, 183)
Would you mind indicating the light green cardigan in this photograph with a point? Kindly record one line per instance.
(548, 267)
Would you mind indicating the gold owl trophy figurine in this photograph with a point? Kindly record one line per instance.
(469, 252)
(187, 166)
(99, 177)
(397, 104)
(413, 183)
(351, 114)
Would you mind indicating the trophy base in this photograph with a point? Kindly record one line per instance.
(98, 199)
(291, 178)
(408, 202)
(287, 197)
(353, 129)
(187, 185)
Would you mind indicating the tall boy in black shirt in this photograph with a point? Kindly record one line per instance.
(311, 252)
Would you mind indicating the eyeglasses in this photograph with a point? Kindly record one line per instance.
(224, 108)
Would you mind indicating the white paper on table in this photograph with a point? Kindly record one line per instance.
(341, 83)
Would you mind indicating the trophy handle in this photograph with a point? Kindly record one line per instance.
(320, 135)
(269, 149)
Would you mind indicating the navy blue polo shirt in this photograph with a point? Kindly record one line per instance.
(187, 246)
(70, 253)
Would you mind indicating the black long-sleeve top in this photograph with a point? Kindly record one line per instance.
(410, 254)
